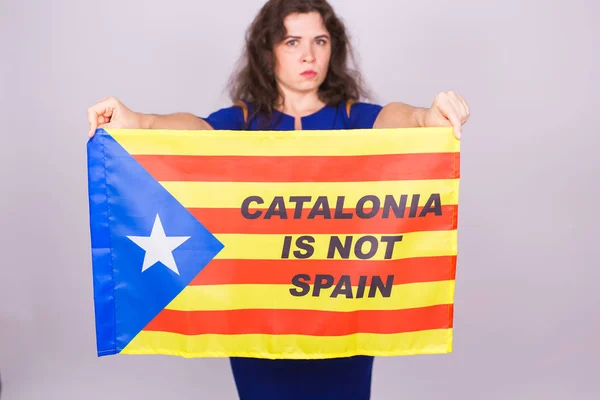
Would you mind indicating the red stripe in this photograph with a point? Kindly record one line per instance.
(302, 322)
(425, 269)
(230, 220)
(302, 168)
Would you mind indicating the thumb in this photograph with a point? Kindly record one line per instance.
(456, 125)
(449, 116)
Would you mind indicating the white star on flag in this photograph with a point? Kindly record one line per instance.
(159, 247)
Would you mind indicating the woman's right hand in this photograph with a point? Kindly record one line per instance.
(111, 113)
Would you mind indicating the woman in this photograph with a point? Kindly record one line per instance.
(296, 77)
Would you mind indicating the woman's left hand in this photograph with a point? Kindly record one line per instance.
(448, 109)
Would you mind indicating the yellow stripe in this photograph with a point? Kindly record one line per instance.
(270, 246)
(437, 341)
(257, 296)
(288, 143)
(233, 194)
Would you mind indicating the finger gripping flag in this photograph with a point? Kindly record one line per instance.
(298, 245)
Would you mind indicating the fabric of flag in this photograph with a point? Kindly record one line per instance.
(287, 244)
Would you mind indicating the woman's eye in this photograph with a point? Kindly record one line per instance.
(321, 41)
(292, 43)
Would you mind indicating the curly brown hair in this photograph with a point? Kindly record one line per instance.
(254, 81)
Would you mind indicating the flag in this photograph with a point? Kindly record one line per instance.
(286, 244)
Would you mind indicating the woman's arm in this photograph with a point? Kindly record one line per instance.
(448, 109)
(112, 113)
(400, 115)
(183, 121)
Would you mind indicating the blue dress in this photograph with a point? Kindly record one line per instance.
(331, 379)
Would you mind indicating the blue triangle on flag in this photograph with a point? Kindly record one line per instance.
(124, 201)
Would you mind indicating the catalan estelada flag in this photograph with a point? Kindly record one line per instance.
(287, 244)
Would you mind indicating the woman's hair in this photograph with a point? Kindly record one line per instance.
(254, 81)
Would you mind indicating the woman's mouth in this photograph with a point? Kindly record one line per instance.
(309, 73)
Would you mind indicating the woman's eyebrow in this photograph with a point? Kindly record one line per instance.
(323, 36)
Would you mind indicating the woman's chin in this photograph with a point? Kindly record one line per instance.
(306, 87)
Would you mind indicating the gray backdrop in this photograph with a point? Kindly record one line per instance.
(527, 297)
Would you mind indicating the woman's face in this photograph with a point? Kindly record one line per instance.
(302, 57)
